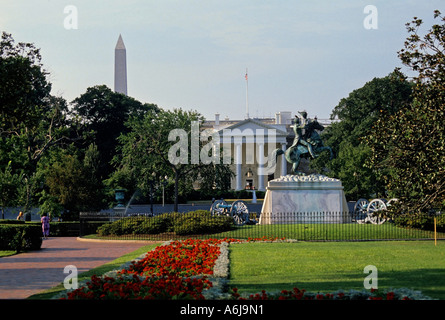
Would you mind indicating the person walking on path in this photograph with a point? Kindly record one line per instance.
(45, 225)
(20, 216)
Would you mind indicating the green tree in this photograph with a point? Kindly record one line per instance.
(32, 121)
(104, 113)
(411, 142)
(357, 114)
(10, 184)
(70, 182)
(146, 151)
(214, 177)
(24, 85)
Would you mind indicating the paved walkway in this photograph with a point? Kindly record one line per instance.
(29, 273)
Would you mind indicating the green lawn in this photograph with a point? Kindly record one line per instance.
(330, 266)
(303, 232)
(316, 232)
(5, 253)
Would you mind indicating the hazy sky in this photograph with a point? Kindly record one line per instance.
(194, 54)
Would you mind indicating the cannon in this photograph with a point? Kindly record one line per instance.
(237, 210)
(370, 211)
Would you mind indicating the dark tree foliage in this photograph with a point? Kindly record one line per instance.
(357, 114)
(25, 90)
(104, 112)
(146, 153)
(411, 142)
(32, 121)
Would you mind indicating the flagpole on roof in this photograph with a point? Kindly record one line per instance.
(247, 96)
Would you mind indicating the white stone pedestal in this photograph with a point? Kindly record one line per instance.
(304, 199)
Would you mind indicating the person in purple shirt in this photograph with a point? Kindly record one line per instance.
(45, 225)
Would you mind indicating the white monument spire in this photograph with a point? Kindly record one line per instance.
(120, 67)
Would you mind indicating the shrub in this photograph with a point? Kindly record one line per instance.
(201, 222)
(20, 237)
(62, 228)
(420, 221)
(137, 225)
(11, 221)
(153, 225)
(112, 228)
(90, 227)
(194, 222)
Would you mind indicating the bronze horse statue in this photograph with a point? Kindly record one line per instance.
(307, 144)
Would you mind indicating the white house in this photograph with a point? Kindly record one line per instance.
(247, 144)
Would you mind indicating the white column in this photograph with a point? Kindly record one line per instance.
(283, 161)
(261, 167)
(238, 161)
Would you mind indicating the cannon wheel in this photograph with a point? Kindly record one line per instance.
(239, 212)
(374, 207)
(360, 209)
(215, 210)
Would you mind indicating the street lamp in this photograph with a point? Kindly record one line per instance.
(163, 187)
(153, 175)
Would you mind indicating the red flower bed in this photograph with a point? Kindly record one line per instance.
(182, 258)
(167, 272)
(150, 287)
(297, 294)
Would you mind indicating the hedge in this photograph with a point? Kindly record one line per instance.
(194, 222)
(201, 222)
(11, 221)
(20, 237)
(61, 229)
(420, 221)
(64, 229)
(139, 225)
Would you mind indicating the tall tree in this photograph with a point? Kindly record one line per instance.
(70, 182)
(163, 144)
(104, 113)
(411, 142)
(31, 120)
(357, 114)
(10, 184)
(24, 85)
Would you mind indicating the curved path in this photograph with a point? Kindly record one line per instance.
(25, 274)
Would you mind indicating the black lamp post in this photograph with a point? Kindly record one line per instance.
(152, 180)
(163, 190)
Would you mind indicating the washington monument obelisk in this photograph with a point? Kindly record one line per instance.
(120, 67)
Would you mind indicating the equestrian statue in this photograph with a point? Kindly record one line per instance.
(307, 143)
